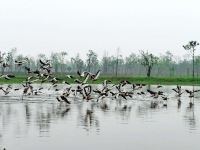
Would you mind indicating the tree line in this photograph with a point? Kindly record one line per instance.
(142, 64)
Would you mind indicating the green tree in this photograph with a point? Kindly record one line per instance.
(63, 54)
(79, 64)
(92, 61)
(191, 47)
(130, 62)
(148, 60)
(55, 61)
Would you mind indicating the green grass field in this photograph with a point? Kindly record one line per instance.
(152, 80)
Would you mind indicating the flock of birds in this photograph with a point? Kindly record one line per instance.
(82, 89)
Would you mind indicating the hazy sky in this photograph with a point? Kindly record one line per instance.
(79, 25)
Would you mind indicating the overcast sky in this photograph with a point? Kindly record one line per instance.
(43, 26)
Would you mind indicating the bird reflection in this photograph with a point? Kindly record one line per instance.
(123, 110)
(43, 122)
(190, 117)
(104, 106)
(90, 120)
(65, 112)
(27, 113)
(179, 102)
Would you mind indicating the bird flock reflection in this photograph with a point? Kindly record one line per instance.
(42, 117)
(26, 113)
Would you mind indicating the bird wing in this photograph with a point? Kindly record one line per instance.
(86, 78)
(187, 91)
(42, 62)
(97, 74)
(196, 90)
(175, 90)
(78, 72)
(151, 92)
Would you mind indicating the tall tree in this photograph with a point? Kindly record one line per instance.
(166, 61)
(10, 58)
(63, 54)
(104, 62)
(79, 64)
(117, 62)
(92, 61)
(130, 62)
(197, 61)
(55, 61)
(148, 61)
(2, 60)
(191, 47)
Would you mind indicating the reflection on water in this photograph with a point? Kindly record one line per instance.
(41, 123)
(190, 117)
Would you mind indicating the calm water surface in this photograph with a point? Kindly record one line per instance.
(40, 122)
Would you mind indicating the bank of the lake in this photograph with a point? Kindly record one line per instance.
(145, 80)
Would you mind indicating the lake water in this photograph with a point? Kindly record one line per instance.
(40, 122)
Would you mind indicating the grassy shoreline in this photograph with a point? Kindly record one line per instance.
(152, 80)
